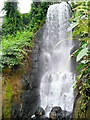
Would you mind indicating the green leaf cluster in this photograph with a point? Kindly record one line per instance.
(18, 32)
(38, 15)
(12, 19)
(81, 30)
(14, 48)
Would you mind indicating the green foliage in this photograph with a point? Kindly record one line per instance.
(82, 53)
(37, 15)
(81, 26)
(12, 19)
(25, 19)
(18, 32)
(14, 48)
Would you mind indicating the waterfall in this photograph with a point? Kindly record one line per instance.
(56, 88)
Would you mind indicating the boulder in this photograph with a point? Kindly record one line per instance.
(39, 112)
(56, 113)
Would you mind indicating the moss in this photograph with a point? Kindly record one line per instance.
(12, 87)
(7, 100)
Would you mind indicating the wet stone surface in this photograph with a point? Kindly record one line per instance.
(55, 114)
(40, 114)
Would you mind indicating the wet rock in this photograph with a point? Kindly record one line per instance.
(57, 109)
(39, 112)
(30, 100)
(53, 115)
(56, 113)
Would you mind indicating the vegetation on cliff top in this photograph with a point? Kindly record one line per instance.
(18, 32)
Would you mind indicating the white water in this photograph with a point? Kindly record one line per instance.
(56, 87)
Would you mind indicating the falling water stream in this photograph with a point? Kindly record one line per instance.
(56, 88)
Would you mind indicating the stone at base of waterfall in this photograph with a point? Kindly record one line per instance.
(40, 114)
(58, 114)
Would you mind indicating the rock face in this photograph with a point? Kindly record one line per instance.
(29, 96)
(30, 83)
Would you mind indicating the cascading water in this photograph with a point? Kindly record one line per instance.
(56, 88)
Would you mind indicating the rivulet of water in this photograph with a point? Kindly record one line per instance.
(56, 88)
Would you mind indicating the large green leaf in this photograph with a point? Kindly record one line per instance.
(77, 51)
(81, 54)
(79, 66)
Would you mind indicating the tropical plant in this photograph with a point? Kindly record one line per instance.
(81, 28)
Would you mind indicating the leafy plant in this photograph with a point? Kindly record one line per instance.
(37, 15)
(81, 26)
(12, 19)
(18, 32)
(14, 48)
